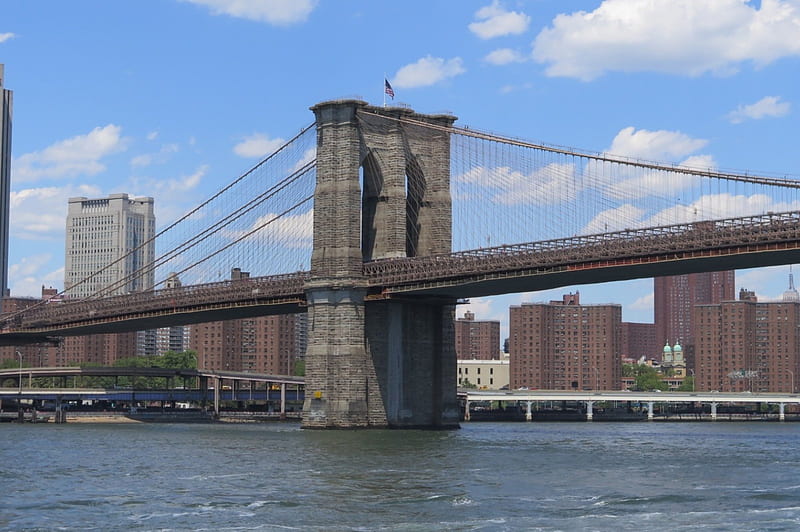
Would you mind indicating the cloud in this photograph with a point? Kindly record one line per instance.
(616, 219)
(645, 303)
(769, 106)
(6, 36)
(497, 22)
(173, 197)
(762, 281)
(504, 56)
(716, 206)
(167, 188)
(79, 155)
(275, 12)
(552, 184)
(257, 145)
(308, 156)
(683, 37)
(653, 145)
(427, 71)
(26, 277)
(506, 89)
(41, 213)
(289, 230)
(631, 182)
(161, 157)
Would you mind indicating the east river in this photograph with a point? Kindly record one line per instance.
(486, 476)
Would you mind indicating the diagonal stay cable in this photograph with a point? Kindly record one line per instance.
(211, 230)
(247, 234)
(187, 215)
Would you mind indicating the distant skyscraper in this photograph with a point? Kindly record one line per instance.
(6, 105)
(108, 230)
(674, 299)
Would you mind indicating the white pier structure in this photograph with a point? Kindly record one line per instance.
(528, 397)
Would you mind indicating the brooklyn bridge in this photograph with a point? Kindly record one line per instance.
(377, 221)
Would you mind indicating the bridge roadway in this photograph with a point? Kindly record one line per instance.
(590, 397)
(733, 243)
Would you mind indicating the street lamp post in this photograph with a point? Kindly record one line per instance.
(20, 415)
(792, 374)
(693, 379)
(597, 379)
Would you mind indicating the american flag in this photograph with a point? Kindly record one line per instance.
(388, 88)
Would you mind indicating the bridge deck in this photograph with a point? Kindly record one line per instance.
(732, 243)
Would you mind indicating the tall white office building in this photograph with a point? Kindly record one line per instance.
(102, 231)
(6, 105)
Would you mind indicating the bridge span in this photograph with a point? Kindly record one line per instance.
(732, 243)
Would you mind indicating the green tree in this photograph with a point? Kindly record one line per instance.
(687, 385)
(174, 360)
(466, 384)
(648, 378)
(299, 368)
(629, 370)
(10, 363)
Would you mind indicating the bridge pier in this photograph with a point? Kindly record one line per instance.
(413, 348)
(374, 362)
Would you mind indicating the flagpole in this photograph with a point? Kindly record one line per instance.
(384, 88)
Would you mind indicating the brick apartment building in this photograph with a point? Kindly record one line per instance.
(563, 345)
(747, 345)
(477, 339)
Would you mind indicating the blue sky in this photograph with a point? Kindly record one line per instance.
(175, 98)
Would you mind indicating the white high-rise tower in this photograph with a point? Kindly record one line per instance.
(103, 231)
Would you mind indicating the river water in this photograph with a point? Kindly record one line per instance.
(485, 476)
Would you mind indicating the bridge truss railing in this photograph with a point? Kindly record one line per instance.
(232, 293)
(549, 255)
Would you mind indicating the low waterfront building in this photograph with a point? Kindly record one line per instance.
(484, 374)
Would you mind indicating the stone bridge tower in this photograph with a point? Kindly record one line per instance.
(383, 191)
